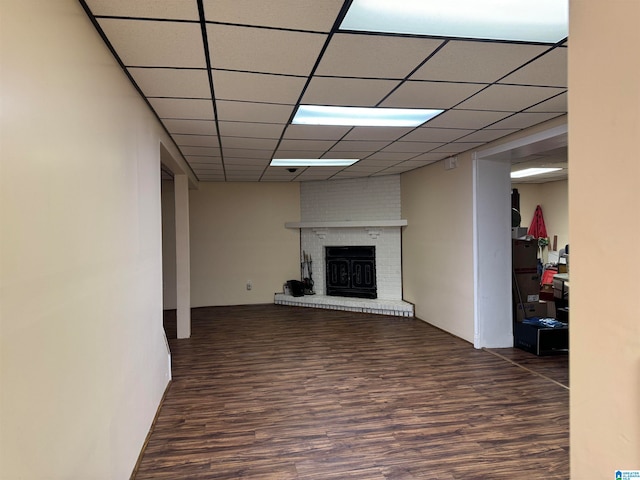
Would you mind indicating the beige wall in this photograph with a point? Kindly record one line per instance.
(83, 356)
(437, 244)
(437, 249)
(553, 197)
(168, 246)
(604, 200)
(238, 235)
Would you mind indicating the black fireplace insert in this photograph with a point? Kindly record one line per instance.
(351, 271)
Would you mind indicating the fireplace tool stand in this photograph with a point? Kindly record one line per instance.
(306, 273)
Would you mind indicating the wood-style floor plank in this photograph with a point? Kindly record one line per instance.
(275, 392)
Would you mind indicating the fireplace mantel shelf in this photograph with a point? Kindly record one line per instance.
(348, 224)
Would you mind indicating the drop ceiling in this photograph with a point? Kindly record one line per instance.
(225, 78)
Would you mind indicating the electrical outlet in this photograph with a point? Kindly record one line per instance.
(249, 285)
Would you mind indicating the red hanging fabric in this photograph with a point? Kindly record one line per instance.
(537, 228)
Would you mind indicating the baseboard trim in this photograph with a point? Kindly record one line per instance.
(146, 440)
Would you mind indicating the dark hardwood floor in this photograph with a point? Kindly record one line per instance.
(275, 392)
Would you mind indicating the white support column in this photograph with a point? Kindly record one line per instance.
(492, 253)
(492, 235)
(183, 259)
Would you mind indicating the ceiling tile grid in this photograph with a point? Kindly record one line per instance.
(145, 43)
(285, 14)
(225, 78)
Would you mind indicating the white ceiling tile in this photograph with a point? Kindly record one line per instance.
(250, 129)
(509, 98)
(372, 162)
(183, 108)
(430, 157)
(349, 174)
(524, 120)
(457, 147)
(391, 171)
(306, 154)
(485, 62)
(211, 177)
(319, 145)
(196, 127)
(166, 82)
(387, 156)
(247, 153)
(556, 104)
(263, 50)
(431, 94)
(208, 169)
(359, 146)
(252, 112)
(367, 168)
(349, 154)
(377, 133)
(412, 147)
(550, 69)
(203, 160)
(257, 87)
(231, 167)
(429, 134)
(315, 132)
(250, 143)
(212, 170)
(416, 163)
(466, 119)
(357, 92)
(292, 14)
(373, 56)
(196, 140)
(156, 44)
(262, 53)
(488, 135)
(254, 162)
(172, 9)
(204, 151)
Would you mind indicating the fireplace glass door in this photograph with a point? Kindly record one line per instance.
(351, 271)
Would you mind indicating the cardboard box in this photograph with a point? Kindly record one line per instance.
(551, 310)
(540, 340)
(561, 286)
(524, 256)
(528, 284)
(546, 293)
(531, 309)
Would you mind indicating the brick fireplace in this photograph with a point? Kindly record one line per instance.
(385, 239)
(354, 212)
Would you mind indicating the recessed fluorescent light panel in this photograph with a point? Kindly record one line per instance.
(362, 116)
(543, 21)
(313, 162)
(529, 172)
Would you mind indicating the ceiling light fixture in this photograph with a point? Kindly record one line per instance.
(517, 20)
(529, 172)
(313, 162)
(362, 116)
